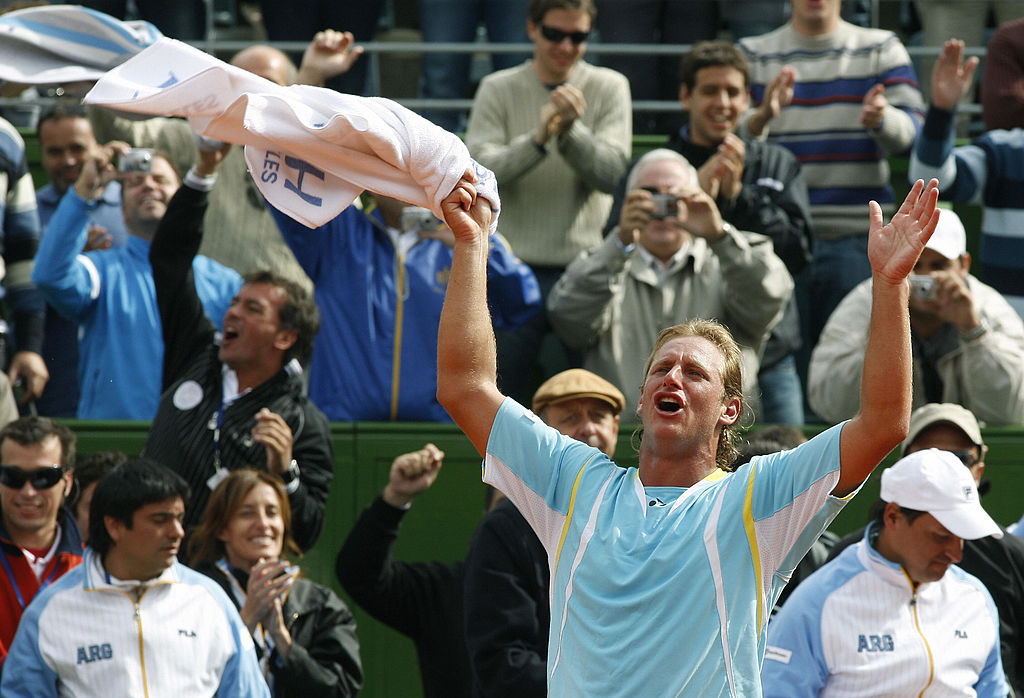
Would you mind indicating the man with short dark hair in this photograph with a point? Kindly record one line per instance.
(507, 577)
(66, 141)
(556, 132)
(39, 540)
(757, 186)
(131, 618)
(998, 561)
(110, 293)
(893, 615)
(236, 403)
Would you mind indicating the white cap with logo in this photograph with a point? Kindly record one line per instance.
(937, 482)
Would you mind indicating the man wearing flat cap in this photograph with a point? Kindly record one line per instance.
(506, 577)
(893, 615)
(968, 342)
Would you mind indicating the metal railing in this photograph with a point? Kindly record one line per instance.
(376, 49)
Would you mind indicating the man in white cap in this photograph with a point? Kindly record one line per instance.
(968, 342)
(892, 615)
(998, 561)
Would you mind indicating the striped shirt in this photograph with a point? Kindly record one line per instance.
(844, 164)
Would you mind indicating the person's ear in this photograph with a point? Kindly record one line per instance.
(114, 527)
(684, 96)
(285, 339)
(731, 411)
(965, 262)
(891, 514)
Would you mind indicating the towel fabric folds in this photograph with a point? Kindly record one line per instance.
(310, 150)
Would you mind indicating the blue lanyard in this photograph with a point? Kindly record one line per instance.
(14, 583)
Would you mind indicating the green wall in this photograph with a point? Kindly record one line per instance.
(441, 522)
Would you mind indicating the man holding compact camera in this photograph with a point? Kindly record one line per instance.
(670, 259)
(110, 293)
(968, 341)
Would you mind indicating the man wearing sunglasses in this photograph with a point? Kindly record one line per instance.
(39, 540)
(556, 131)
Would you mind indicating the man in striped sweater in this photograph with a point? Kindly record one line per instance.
(842, 98)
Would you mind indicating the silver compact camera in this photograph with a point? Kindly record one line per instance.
(136, 160)
(923, 287)
(418, 219)
(665, 205)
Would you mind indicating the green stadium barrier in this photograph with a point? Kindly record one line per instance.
(442, 520)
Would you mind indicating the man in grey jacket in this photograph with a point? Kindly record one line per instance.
(968, 341)
(670, 259)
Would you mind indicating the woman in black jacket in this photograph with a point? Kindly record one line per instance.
(304, 634)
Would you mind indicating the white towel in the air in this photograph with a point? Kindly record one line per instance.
(310, 150)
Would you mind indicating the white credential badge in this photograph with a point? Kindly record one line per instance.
(188, 395)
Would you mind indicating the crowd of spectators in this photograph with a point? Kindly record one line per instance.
(149, 280)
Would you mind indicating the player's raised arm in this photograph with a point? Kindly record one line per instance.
(466, 356)
(885, 391)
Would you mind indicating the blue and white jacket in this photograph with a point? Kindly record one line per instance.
(375, 358)
(857, 627)
(110, 293)
(89, 635)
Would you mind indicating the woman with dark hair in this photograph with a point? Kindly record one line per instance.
(304, 634)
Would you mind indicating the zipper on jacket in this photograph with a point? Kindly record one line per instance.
(137, 614)
(917, 625)
(396, 360)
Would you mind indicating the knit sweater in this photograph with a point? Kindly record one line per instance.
(844, 164)
(555, 199)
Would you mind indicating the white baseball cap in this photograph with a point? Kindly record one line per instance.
(937, 482)
(949, 238)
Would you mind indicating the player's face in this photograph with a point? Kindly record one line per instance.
(718, 99)
(586, 419)
(555, 59)
(256, 529)
(683, 395)
(924, 548)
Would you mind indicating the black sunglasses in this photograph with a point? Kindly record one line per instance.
(968, 458)
(41, 478)
(556, 36)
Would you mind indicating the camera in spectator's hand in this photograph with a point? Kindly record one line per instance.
(418, 219)
(136, 160)
(664, 205)
(923, 287)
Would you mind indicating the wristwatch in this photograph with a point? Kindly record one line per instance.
(292, 473)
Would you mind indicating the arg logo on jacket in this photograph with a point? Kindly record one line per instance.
(91, 653)
(875, 643)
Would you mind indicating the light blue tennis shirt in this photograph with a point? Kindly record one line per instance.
(660, 591)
